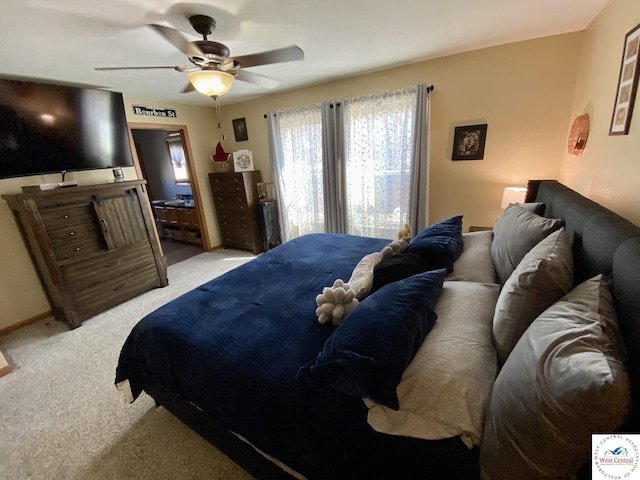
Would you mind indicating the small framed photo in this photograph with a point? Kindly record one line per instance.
(240, 129)
(243, 161)
(627, 84)
(468, 142)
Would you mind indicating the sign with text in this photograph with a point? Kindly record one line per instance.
(154, 111)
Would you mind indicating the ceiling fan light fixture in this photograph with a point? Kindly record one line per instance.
(212, 83)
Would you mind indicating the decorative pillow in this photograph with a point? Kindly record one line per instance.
(516, 232)
(335, 303)
(474, 264)
(543, 276)
(439, 244)
(535, 207)
(368, 352)
(564, 380)
(361, 278)
(396, 268)
(445, 390)
(394, 248)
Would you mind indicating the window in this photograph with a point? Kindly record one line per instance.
(303, 194)
(178, 158)
(352, 160)
(378, 161)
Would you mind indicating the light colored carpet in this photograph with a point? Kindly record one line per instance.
(61, 416)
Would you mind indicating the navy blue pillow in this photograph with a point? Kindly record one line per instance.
(368, 352)
(440, 244)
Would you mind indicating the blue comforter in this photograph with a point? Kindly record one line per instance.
(233, 347)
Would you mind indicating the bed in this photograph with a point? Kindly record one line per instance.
(244, 361)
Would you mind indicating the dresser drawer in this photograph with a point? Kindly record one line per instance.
(229, 219)
(80, 232)
(77, 248)
(188, 217)
(100, 297)
(237, 238)
(231, 203)
(227, 184)
(65, 216)
(107, 264)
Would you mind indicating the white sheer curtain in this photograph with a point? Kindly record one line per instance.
(378, 161)
(359, 166)
(296, 135)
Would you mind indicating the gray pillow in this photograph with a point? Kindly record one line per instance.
(543, 276)
(516, 232)
(535, 207)
(564, 380)
(474, 264)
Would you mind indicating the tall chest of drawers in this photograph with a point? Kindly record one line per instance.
(93, 246)
(236, 200)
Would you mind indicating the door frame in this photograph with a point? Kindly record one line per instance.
(193, 178)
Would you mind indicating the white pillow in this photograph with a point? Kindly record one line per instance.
(445, 389)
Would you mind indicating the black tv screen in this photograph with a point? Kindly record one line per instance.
(55, 128)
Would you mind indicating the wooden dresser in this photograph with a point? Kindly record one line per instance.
(236, 199)
(93, 246)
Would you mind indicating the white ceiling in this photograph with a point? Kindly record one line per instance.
(62, 40)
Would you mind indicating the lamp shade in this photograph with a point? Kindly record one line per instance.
(212, 83)
(513, 195)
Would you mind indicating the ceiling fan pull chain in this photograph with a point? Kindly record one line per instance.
(219, 113)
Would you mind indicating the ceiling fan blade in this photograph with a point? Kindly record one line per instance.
(177, 40)
(179, 69)
(260, 80)
(287, 54)
(188, 88)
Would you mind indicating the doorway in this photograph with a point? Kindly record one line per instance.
(165, 161)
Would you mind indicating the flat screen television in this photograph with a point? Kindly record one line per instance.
(48, 128)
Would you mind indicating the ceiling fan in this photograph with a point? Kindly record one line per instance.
(213, 70)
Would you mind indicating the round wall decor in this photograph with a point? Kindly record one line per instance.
(578, 135)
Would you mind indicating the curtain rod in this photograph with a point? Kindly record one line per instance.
(429, 90)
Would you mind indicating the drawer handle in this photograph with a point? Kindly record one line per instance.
(65, 216)
(77, 249)
(119, 286)
(117, 263)
(72, 234)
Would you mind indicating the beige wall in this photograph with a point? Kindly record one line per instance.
(608, 171)
(523, 91)
(202, 128)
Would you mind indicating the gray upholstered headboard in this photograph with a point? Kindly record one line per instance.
(603, 242)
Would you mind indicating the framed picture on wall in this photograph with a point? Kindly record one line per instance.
(468, 142)
(240, 129)
(627, 84)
